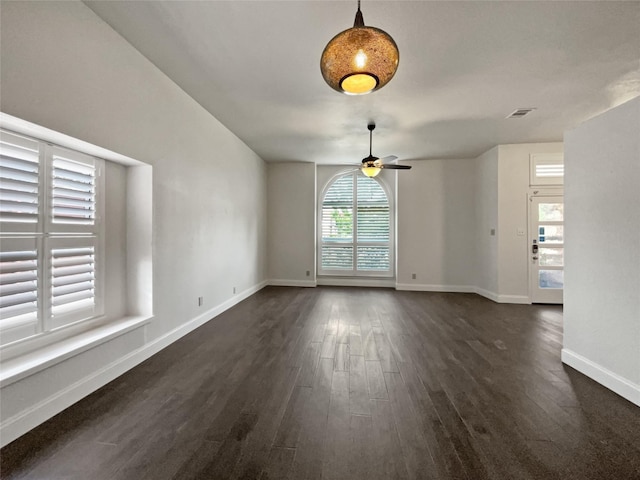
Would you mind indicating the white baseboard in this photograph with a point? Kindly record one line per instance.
(282, 282)
(603, 376)
(487, 294)
(519, 299)
(421, 287)
(19, 424)
(516, 299)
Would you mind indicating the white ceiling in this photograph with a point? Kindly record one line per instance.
(464, 66)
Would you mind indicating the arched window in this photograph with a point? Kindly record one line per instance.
(355, 228)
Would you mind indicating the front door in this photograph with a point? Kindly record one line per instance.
(546, 248)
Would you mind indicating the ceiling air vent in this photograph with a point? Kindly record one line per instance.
(520, 112)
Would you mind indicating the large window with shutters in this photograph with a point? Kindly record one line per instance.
(355, 228)
(51, 236)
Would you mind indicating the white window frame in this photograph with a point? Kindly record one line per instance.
(355, 272)
(46, 235)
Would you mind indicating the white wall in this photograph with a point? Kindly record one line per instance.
(116, 242)
(65, 69)
(602, 229)
(291, 190)
(486, 226)
(436, 225)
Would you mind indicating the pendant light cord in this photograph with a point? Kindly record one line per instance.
(370, 132)
(359, 21)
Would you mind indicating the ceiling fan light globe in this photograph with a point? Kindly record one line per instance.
(359, 84)
(371, 171)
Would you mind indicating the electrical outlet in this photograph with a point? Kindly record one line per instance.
(308, 273)
(413, 276)
(234, 290)
(493, 232)
(200, 301)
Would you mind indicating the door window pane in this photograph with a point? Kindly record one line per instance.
(551, 278)
(551, 234)
(551, 257)
(551, 212)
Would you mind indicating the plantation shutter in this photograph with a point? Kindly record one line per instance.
(19, 183)
(73, 191)
(73, 279)
(546, 169)
(18, 288)
(337, 225)
(355, 228)
(373, 226)
(51, 263)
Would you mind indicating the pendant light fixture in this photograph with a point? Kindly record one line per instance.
(359, 60)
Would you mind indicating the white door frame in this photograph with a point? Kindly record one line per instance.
(535, 294)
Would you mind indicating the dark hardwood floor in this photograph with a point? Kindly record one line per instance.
(347, 383)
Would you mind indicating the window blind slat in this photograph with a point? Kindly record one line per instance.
(18, 185)
(18, 164)
(18, 287)
(17, 152)
(16, 277)
(72, 176)
(71, 213)
(77, 278)
(21, 265)
(73, 204)
(74, 287)
(72, 260)
(71, 185)
(29, 310)
(17, 299)
(70, 298)
(19, 175)
(65, 271)
(75, 194)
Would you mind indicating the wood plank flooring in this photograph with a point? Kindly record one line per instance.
(347, 383)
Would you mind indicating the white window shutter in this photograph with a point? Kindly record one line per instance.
(51, 237)
(73, 279)
(337, 226)
(355, 228)
(19, 300)
(373, 226)
(19, 183)
(73, 199)
(546, 169)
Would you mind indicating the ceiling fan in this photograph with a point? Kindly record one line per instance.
(371, 166)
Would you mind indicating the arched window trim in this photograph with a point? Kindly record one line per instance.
(392, 227)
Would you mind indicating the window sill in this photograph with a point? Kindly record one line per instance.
(23, 366)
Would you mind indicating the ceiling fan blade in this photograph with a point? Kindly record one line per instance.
(390, 158)
(397, 167)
